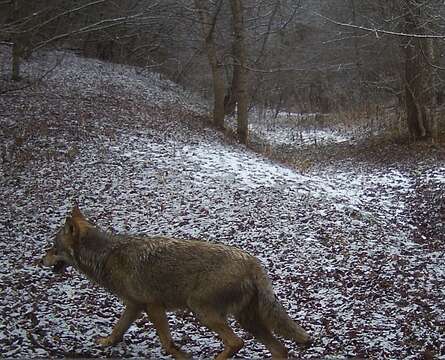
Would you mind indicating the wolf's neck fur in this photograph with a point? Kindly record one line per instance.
(92, 253)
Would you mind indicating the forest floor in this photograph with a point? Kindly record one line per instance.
(354, 243)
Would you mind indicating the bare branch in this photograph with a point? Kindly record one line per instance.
(380, 31)
(99, 25)
(68, 12)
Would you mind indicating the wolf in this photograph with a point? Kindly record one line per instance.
(158, 274)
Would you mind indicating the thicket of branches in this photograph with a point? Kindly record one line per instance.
(299, 56)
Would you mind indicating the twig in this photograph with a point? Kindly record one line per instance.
(380, 31)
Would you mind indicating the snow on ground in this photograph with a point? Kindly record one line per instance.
(296, 129)
(347, 252)
(279, 135)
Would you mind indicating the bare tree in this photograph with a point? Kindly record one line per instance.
(239, 85)
(407, 34)
(418, 57)
(30, 26)
(235, 95)
(208, 22)
(17, 43)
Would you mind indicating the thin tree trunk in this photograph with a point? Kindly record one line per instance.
(208, 27)
(230, 98)
(16, 57)
(358, 61)
(240, 62)
(417, 78)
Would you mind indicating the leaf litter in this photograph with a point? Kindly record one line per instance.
(355, 253)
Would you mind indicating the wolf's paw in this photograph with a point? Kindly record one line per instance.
(178, 354)
(181, 355)
(107, 341)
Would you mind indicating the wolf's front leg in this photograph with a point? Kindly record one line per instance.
(157, 316)
(130, 314)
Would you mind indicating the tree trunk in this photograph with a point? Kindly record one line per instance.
(208, 27)
(218, 94)
(230, 98)
(16, 44)
(358, 61)
(240, 70)
(418, 94)
(16, 58)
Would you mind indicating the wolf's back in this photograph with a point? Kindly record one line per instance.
(178, 272)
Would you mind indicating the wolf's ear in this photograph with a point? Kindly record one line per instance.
(71, 235)
(76, 213)
(70, 228)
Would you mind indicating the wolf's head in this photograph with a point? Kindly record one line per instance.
(67, 238)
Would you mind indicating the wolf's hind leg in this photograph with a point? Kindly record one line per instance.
(217, 323)
(130, 314)
(157, 316)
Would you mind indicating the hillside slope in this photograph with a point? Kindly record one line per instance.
(350, 251)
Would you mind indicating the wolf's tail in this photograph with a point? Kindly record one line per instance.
(275, 317)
